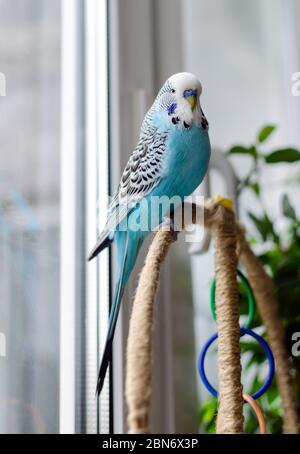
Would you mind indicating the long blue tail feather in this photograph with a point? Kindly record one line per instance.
(100, 246)
(107, 354)
(128, 246)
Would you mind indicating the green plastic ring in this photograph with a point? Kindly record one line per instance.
(250, 296)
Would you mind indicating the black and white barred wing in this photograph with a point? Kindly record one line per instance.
(142, 173)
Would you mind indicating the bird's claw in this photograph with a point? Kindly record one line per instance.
(170, 225)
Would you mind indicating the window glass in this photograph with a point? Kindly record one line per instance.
(29, 215)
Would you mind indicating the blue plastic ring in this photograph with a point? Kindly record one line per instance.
(268, 353)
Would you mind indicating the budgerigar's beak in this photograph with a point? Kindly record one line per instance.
(191, 96)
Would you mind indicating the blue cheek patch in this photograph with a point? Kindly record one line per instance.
(172, 108)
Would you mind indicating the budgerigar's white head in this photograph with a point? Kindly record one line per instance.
(179, 98)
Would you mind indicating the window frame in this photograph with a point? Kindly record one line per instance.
(97, 301)
(84, 192)
(72, 207)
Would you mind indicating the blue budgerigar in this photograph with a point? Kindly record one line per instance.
(170, 159)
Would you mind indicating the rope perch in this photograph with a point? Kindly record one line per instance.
(139, 346)
(229, 238)
(230, 413)
(264, 292)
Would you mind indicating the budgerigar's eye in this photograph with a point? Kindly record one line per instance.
(173, 90)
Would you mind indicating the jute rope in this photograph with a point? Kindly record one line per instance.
(230, 412)
(264, 292)
(139, 347)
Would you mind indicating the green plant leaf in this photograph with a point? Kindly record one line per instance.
(287, 209)
(255, 187)
(283, 155)
(239, 149)
(272, 394)
(265, 133)
(264, 226)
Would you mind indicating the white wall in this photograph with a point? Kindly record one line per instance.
(245, 53)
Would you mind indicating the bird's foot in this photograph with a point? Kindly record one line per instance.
(169, 225)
